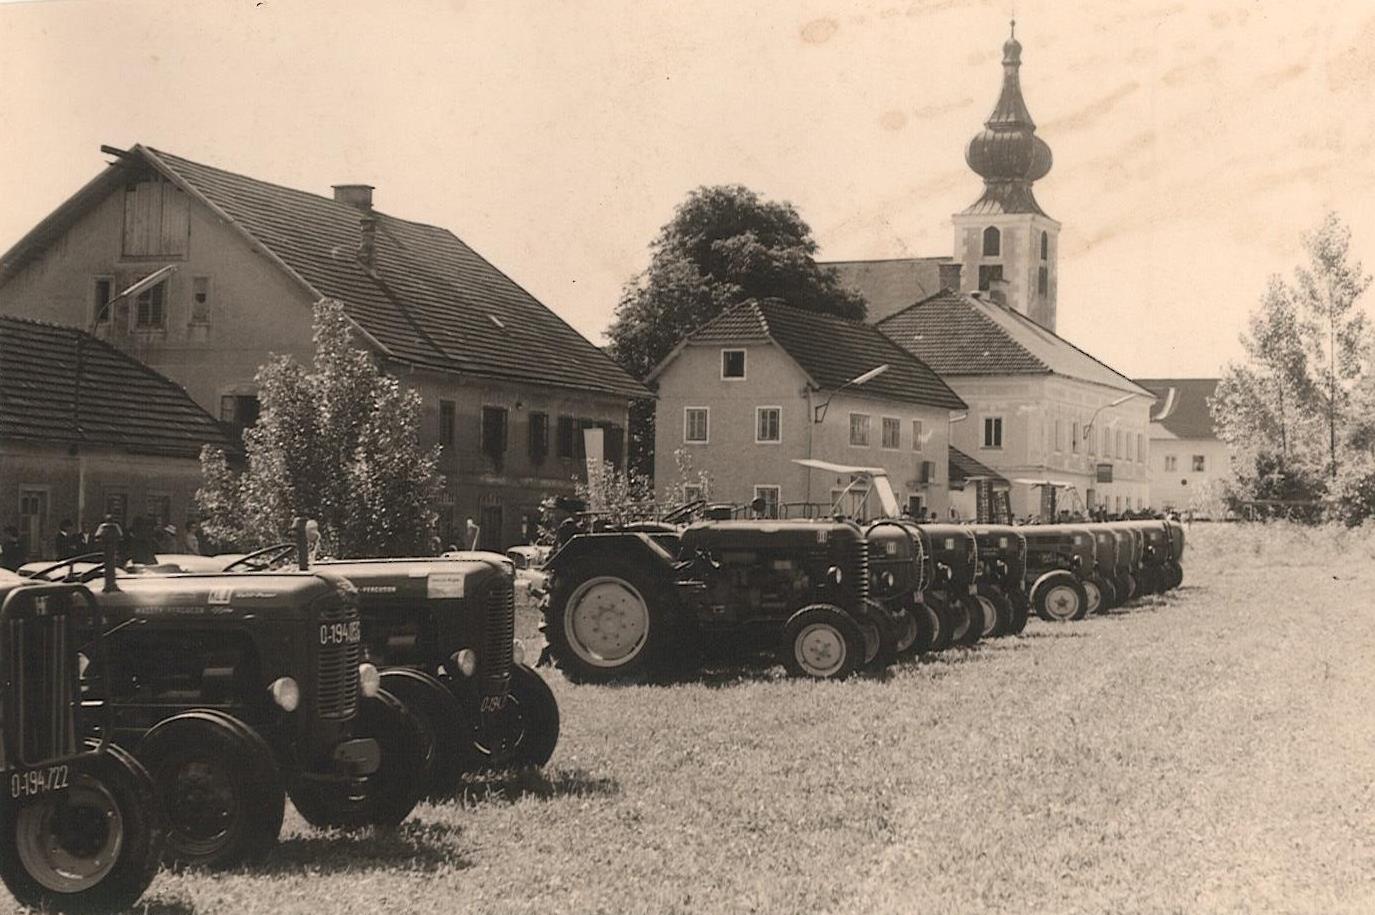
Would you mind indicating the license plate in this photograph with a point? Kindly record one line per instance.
(38, 781)
(341, 633)
(493, 703)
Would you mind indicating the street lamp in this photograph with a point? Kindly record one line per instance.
(1116, 403)
(819, 412)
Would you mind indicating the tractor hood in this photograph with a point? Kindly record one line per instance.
(408, 580)
(275, 595)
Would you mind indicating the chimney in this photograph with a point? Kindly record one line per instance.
(367, 243)
(950, 276)
(355, 195)
(997, 290)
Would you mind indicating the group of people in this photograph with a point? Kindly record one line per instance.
(140, 541)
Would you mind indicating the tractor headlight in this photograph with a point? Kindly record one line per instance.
(82, 662)
(888, 579)
(517, 652)
(285, 693)
(835, 574)
(465, 659)
(369, 680)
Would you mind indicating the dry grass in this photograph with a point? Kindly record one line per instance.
(1207, 752)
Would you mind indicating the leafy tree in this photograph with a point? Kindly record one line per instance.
(338, 442)
(724, 245)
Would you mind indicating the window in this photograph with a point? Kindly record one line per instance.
(993, 242)
(156, 219)
(692, 492)
(1090, 440)
(539, 437)
(567, 434)
(200, 300)
(1074, 437)
(613, 444)
(239, 410)
(158, 508)
(446, 423)
(33, 520)
(732, 363)
(1059, 435)
(918, 437)
(859, 430)
(1171, 462)
(695, 425)
(493, 432)
(1045, 246)
(148, 310)
(892, 432)
(768, 425)
(993, 432)
(1043, 281)
(987, 274)
(100, 298)
(770, 496)
(1200, 464)
(1121, 445)
(1140, 448)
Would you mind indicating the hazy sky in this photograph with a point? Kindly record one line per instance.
(1194, 141)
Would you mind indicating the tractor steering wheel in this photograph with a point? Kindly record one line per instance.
(69, 564)
(686, 510)
(263, 559)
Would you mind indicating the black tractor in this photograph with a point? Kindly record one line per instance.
(82, 827)
(901, 569)
(953, 591)
(1158, 566)
(631, 603)
(237, 690)
(1059, 558)
(1001, 576)
(442, 632)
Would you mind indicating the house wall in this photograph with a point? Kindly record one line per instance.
(736, 463)
(143, 484)
(1030, 407)
(1182, 487)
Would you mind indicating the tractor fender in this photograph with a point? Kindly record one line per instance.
(392, 675)
(1036, 585)
(638, 548)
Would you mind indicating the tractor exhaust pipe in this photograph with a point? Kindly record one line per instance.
(298, 526)
(107, 535)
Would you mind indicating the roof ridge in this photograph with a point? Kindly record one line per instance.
(888, 260)
(1077, 349)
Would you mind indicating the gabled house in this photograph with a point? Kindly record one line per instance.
(764, 383)
(1189, 464)
(88, 431)
(1040, 409)
(508, 387)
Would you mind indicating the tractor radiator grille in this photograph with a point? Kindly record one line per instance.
(859, 568)
(337, 684)
(501, 630)
(39, 649)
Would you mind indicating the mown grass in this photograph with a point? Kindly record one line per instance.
(1210, 751)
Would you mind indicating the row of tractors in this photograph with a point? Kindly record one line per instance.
(155, 715)
(829, 597)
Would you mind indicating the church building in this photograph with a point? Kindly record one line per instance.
(1043, 414)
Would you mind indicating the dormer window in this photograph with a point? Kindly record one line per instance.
(732, 364)
(993, 242)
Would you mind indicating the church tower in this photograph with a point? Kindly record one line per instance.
(1005, 243)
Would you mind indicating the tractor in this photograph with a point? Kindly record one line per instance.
(1058, 560)
(82, 828)
(442, 632)
(237, 690)
(627, 603)
(1001, 575)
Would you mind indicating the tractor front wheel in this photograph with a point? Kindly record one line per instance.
(822, 642)
(531, 725)
(1060, 598)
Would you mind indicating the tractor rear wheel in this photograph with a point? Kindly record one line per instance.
(607, 619)
(1059, 598)
(531, 725)
(385, 797)
(220, 789)
(823, 642)
(93, 846)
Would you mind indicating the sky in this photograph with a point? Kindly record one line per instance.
(1194, 142)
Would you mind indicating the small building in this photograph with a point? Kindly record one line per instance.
(1190, 466)
(88, 431)
(763, 384)
(508, 387)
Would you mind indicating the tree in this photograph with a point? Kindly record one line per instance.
(1292, 412)
(724, 245)
(338, 442)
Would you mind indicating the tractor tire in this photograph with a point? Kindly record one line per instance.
(1109, 589)
(875, 641)
(443, 723)
(608, 619)
(906, 632)
(1094, 594)
(928, 627)
(92, 847)
(1150, 580)
(993, 596)
(822, 642)
(1126, 588)
(1021, 610)
(969, 634)
(1060, 598)
(532, 719)
(1175, 573)
(388, 795)
(945, 620)
(220, 789)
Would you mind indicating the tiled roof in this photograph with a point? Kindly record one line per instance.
(832, 351)
(891, 285)
(963, 467)
(122, 403)
(958, 334)
(430, 301)
(1181, 405)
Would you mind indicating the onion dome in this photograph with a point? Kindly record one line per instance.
(1007, 154)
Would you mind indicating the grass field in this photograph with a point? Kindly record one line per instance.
(1211, 751)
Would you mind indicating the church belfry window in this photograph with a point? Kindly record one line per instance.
(993, 242)
(1045, 246)
(987, 274)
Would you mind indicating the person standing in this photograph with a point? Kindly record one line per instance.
(67, 543)
(11, 549)
(193, 539)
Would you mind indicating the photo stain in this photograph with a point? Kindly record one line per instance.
(820, 31)
(893, 120)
